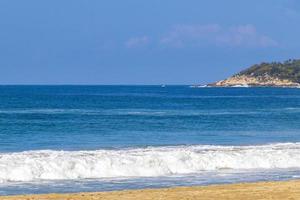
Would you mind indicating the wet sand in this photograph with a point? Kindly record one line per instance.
(287, 190)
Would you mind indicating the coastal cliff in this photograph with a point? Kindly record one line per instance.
(275, 74)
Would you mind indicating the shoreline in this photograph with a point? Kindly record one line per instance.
(243, 86)
(274, 190)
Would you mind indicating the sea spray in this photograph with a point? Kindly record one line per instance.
(144, 162)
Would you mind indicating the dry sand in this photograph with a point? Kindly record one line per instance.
(288, 190)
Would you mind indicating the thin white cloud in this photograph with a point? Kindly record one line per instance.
(137, 42)
(245, 35)
(214, 34)
(180, 35)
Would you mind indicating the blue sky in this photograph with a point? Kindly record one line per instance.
(142, 42)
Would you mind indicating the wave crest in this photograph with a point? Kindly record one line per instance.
(143, 162)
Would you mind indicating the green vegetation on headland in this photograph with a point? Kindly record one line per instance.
(274, 74)
(289, 70)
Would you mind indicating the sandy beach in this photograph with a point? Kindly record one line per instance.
(244, 191)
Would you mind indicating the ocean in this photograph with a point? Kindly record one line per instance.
(103, 138)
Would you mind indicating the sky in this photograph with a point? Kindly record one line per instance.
(142, 41)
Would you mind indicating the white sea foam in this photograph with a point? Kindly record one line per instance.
(142, 162)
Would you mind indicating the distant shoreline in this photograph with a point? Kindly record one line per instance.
(275, 74)
(243, 86)
(243, 191)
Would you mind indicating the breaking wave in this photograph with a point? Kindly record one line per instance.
(144, 162)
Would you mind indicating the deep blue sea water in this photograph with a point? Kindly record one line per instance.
(53, 138)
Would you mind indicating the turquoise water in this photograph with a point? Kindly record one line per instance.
(120, 137)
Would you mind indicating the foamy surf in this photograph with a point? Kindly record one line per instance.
(144, 162)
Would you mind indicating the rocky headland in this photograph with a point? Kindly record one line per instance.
(275, 74)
